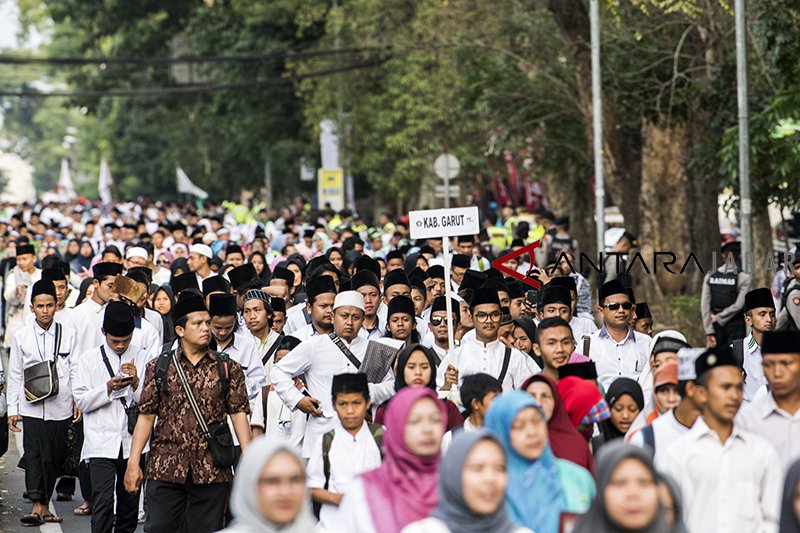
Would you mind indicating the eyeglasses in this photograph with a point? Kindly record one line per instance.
(616, 305)
(438, 320)
(163, 261)
(494, 317)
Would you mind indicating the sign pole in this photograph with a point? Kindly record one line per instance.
(448, 288)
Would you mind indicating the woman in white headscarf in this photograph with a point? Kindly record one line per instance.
(269, 492)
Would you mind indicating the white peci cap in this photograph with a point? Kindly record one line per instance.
(201, 249)
(349, 298)
(136, 251)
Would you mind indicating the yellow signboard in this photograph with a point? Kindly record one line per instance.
(330, 188)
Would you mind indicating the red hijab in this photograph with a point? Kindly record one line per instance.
(565, 440)
(404, 488)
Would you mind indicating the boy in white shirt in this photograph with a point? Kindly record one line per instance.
(352, 448)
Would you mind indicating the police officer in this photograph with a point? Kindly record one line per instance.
(722, 298)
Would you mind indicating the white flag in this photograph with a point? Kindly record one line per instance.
(185, 185)
(64, 188)
(104, 182)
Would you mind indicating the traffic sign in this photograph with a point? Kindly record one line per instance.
(446, 166)
(444, 222)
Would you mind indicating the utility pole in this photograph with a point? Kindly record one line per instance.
(597, 112)
(745, 204)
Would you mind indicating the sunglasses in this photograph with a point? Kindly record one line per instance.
(438, 320)
(163, 261)
(616, 305)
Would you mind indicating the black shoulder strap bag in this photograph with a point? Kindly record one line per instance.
(218, 436)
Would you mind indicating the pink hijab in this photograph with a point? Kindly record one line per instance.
(404, 488)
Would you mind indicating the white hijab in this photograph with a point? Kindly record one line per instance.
(244, 499)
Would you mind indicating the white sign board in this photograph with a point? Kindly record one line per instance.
(444, 222)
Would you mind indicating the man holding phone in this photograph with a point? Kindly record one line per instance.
(107, 384)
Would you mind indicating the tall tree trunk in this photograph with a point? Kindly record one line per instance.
(664, 198)
(622, 169)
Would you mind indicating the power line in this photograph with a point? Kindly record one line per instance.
(187, 89)
(276, 54)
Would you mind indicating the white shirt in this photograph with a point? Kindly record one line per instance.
(754, 377)
(731, 486)
(666, 430)
(349, 456)
(377, 333)
(353, 515)
(306, 332)
(295, 319)
(153, 318)
(475, 357)
(87, 320)
(468, 427)
(105, 423)
(763, 417)
(29, 346)
(320, 359)
(244, 350)
(144, 335)
(613, 359)
(580, 327)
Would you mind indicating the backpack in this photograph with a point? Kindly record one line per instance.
(376, 430)
(165, 359)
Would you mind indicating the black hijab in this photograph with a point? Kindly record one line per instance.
(84, 288)
(179, 263)
(169, 328)
(619, 388)
(266, 273)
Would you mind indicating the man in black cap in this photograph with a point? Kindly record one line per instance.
(278, 313)
(394, 260)
(321, 292)
(459, 265)
(87, 318)
(242, 348)
(186, 491)
(281, 282)
(366, 283)
(730, 479)
(722, 298)
(616, 348)
(234, 255)
(395, 284)
(643, 319)
(774, 415)
(22, 276)
(759, 316)
(516, 298)
(108, 383)
(565, 274)
(401, 321)
(486, 353)
(43, 347)
(438, 326)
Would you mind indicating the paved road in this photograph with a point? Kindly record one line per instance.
(12, 506)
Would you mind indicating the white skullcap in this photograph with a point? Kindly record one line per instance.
(671, 333)
(136, 251)
(202, 249)
(209, 237)
(349, 298)
(686, 360)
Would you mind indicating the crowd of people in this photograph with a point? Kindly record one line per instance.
(291, 370)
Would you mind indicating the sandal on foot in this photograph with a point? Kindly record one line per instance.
(84, 510)
(52, 519)
(32, 519)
